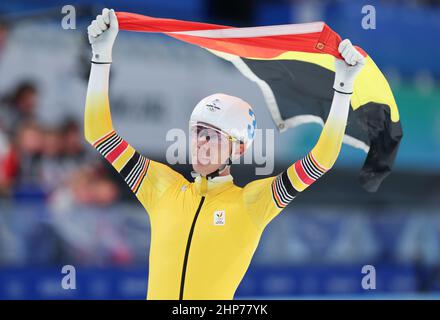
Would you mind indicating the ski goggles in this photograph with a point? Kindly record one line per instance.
(209, 133)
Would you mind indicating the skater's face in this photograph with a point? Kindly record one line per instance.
(210, 148)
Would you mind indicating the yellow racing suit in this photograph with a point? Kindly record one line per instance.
(205, 232)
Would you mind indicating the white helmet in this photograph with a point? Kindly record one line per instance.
(230, 114)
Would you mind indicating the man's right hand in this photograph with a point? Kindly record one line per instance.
(102, 34)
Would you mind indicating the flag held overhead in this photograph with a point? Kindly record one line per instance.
(294, 67)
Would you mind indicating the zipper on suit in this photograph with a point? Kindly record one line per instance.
(188, 246)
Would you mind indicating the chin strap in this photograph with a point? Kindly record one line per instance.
(217, 172)
(228, 164)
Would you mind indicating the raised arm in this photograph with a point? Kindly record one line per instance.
(102, 34)
(98, 126)
(323, 156)
(267, 197)
(147, 179)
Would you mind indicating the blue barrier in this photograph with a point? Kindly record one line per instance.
(306, 251)
(259, 282)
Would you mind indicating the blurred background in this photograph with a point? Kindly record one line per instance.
(61, 204)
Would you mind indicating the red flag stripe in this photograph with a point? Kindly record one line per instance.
(265, 44)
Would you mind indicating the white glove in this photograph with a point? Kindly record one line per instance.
(102, 34)
(346, 70)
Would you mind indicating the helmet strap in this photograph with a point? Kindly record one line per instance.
(217, 172)
(228, 164)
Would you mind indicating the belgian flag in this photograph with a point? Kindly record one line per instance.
(294, 67)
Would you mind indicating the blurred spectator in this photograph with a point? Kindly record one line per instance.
(73, 141)
(28, 142)
(8, 165)
(19, 106)
(52, 169)
(4, 29)
(89, 186)
(92, 186)
(69, 174)
(39, 161)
